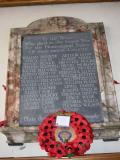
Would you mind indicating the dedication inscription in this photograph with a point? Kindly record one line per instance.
(58, 71)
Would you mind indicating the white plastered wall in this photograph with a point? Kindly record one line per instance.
(109, 13)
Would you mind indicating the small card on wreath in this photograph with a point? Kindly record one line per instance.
(63, 121)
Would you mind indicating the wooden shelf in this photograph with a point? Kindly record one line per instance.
(105, 156)
(10, 3)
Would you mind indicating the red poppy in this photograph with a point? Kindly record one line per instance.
(87, 145)
(60, 152)
(52, 154)
(45, 126)
(80, 150)
(69, 148)
(52, 145)
(85, 137)
(3, 123)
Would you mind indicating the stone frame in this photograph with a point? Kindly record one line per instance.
(111, 126)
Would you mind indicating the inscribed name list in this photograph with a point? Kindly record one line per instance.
(58, 71)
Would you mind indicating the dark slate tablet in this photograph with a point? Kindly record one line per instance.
(58, 71)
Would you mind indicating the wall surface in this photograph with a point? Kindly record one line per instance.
(109, 13)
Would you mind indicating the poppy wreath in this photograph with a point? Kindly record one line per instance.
(69, 141)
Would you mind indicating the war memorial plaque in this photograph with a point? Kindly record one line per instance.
(59, 63)
(58, 71)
